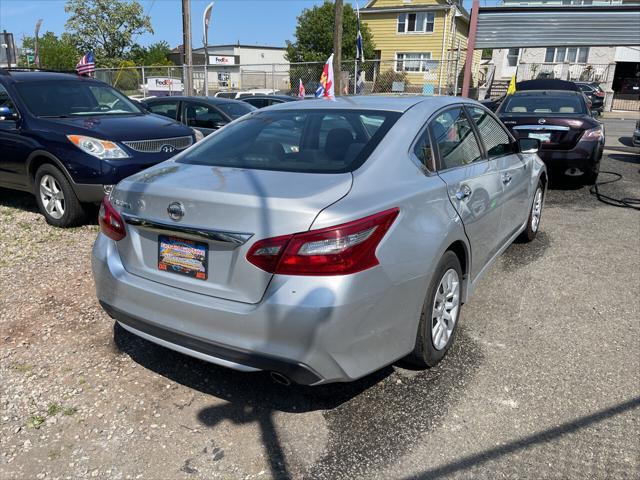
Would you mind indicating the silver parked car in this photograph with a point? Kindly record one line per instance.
(319, 240)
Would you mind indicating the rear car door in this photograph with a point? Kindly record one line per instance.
(205, 118)
(513, 167)
(473, 182)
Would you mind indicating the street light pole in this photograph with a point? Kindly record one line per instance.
(186, 47)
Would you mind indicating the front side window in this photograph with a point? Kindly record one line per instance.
(420, 22)
(203, 116)
(312, 141)
(68, 98)
(495, 138)
(413, 62)
(166, 109)
(453, 134)
(6, 104)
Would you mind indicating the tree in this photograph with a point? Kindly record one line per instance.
(106, 27)
(314, 35)
(155, 54)
(55, 53)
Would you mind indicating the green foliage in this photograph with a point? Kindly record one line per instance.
(487, 53)
(314, 35)
(384, 80)
(36, 421)
(106, 27)
(55, 53)
(155, 54)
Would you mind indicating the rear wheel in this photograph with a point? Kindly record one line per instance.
(440, 313)
(535, 215)
(591, 175)
(56, 199)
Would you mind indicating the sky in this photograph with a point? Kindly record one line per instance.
(261, 22)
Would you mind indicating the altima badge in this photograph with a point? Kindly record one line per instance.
(175, 211)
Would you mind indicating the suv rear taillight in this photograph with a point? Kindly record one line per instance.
(111, 223)
(340, 250)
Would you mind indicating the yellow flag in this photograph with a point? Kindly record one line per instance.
(512, 86)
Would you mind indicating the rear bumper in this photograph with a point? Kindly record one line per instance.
(584, 156)
(312, 330)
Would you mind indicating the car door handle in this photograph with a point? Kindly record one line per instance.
(464, 192)
(506, 178)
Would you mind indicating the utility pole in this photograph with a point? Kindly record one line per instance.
(471, 45)
(337, 46)
(187, 71)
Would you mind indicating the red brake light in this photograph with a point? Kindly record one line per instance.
(595, 133)
(599, 94)
(340, 250)
(111, 223)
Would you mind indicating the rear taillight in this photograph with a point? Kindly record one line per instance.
(595, 133)
(340, 250)
(111, 223)
(599, 94)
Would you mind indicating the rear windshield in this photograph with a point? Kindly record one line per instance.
(69, 98)
(236, 110)
(544, 103)
(314, 141)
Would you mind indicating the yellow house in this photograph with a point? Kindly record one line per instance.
(423, 40)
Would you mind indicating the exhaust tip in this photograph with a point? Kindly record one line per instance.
(280, 378)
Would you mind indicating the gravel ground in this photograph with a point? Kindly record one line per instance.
(542, 381)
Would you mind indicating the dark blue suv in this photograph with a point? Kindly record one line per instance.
(68, 139)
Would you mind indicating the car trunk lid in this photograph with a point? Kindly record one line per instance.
(554, 132)
(226, 210)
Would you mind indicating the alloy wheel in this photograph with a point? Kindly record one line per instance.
(536, 210)
(445, 309)
(52, 197)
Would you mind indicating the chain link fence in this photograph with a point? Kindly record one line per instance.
(404, 76)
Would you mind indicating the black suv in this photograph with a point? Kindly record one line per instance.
(68, 139)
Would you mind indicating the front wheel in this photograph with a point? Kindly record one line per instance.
(56, 199)
(440, 313)
(535, 215)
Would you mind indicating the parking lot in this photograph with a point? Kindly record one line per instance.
(541, 382)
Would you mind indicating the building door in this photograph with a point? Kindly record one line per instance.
(511, 62)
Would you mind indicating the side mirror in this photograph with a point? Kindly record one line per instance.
(528, 145)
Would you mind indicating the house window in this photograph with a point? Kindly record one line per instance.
(412, 62)
(512, 57)
(564, 54)
(421, 22)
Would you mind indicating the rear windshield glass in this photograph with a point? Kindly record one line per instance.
(236, 110)
(543, 103)
(318, 141)
(74, 98)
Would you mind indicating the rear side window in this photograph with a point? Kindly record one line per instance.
(544, 103)
(226, 95)
(314, 141)
(495, 138)
(166, 109)
(236, 109)
(453, 134)
(203, 116)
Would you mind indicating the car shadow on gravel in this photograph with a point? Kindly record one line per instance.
(370, 422)
(16, 199)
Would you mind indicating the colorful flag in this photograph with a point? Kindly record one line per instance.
(512, 86)
(326, 81)
(86, 65)
(359, 48)
(301, 92)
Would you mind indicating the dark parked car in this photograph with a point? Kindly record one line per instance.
(206, 114)
(68, 139)
(635, 140)
(594, 93)
(261, 101)
(538, 84)
(572, 141)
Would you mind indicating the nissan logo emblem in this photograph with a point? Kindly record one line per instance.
(167, 148)
(175, 211)
(542, 121)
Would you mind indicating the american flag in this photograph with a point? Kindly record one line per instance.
(86, 65)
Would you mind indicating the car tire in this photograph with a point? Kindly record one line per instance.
(436, 331)
(56, 199)
(535, 215)
(591, 176)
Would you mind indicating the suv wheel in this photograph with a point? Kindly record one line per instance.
(440, 313)
(56, 199)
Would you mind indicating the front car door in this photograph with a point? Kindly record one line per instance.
(473, 183)
(166, 108)
(515, 170)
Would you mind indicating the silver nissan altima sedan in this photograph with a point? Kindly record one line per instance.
(319, 240)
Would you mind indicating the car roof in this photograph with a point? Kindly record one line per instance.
(390, 103)
(210, 100)
(280, 97)
(42, 76)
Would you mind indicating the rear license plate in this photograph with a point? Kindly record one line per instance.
(185, 257)
(543, 137)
